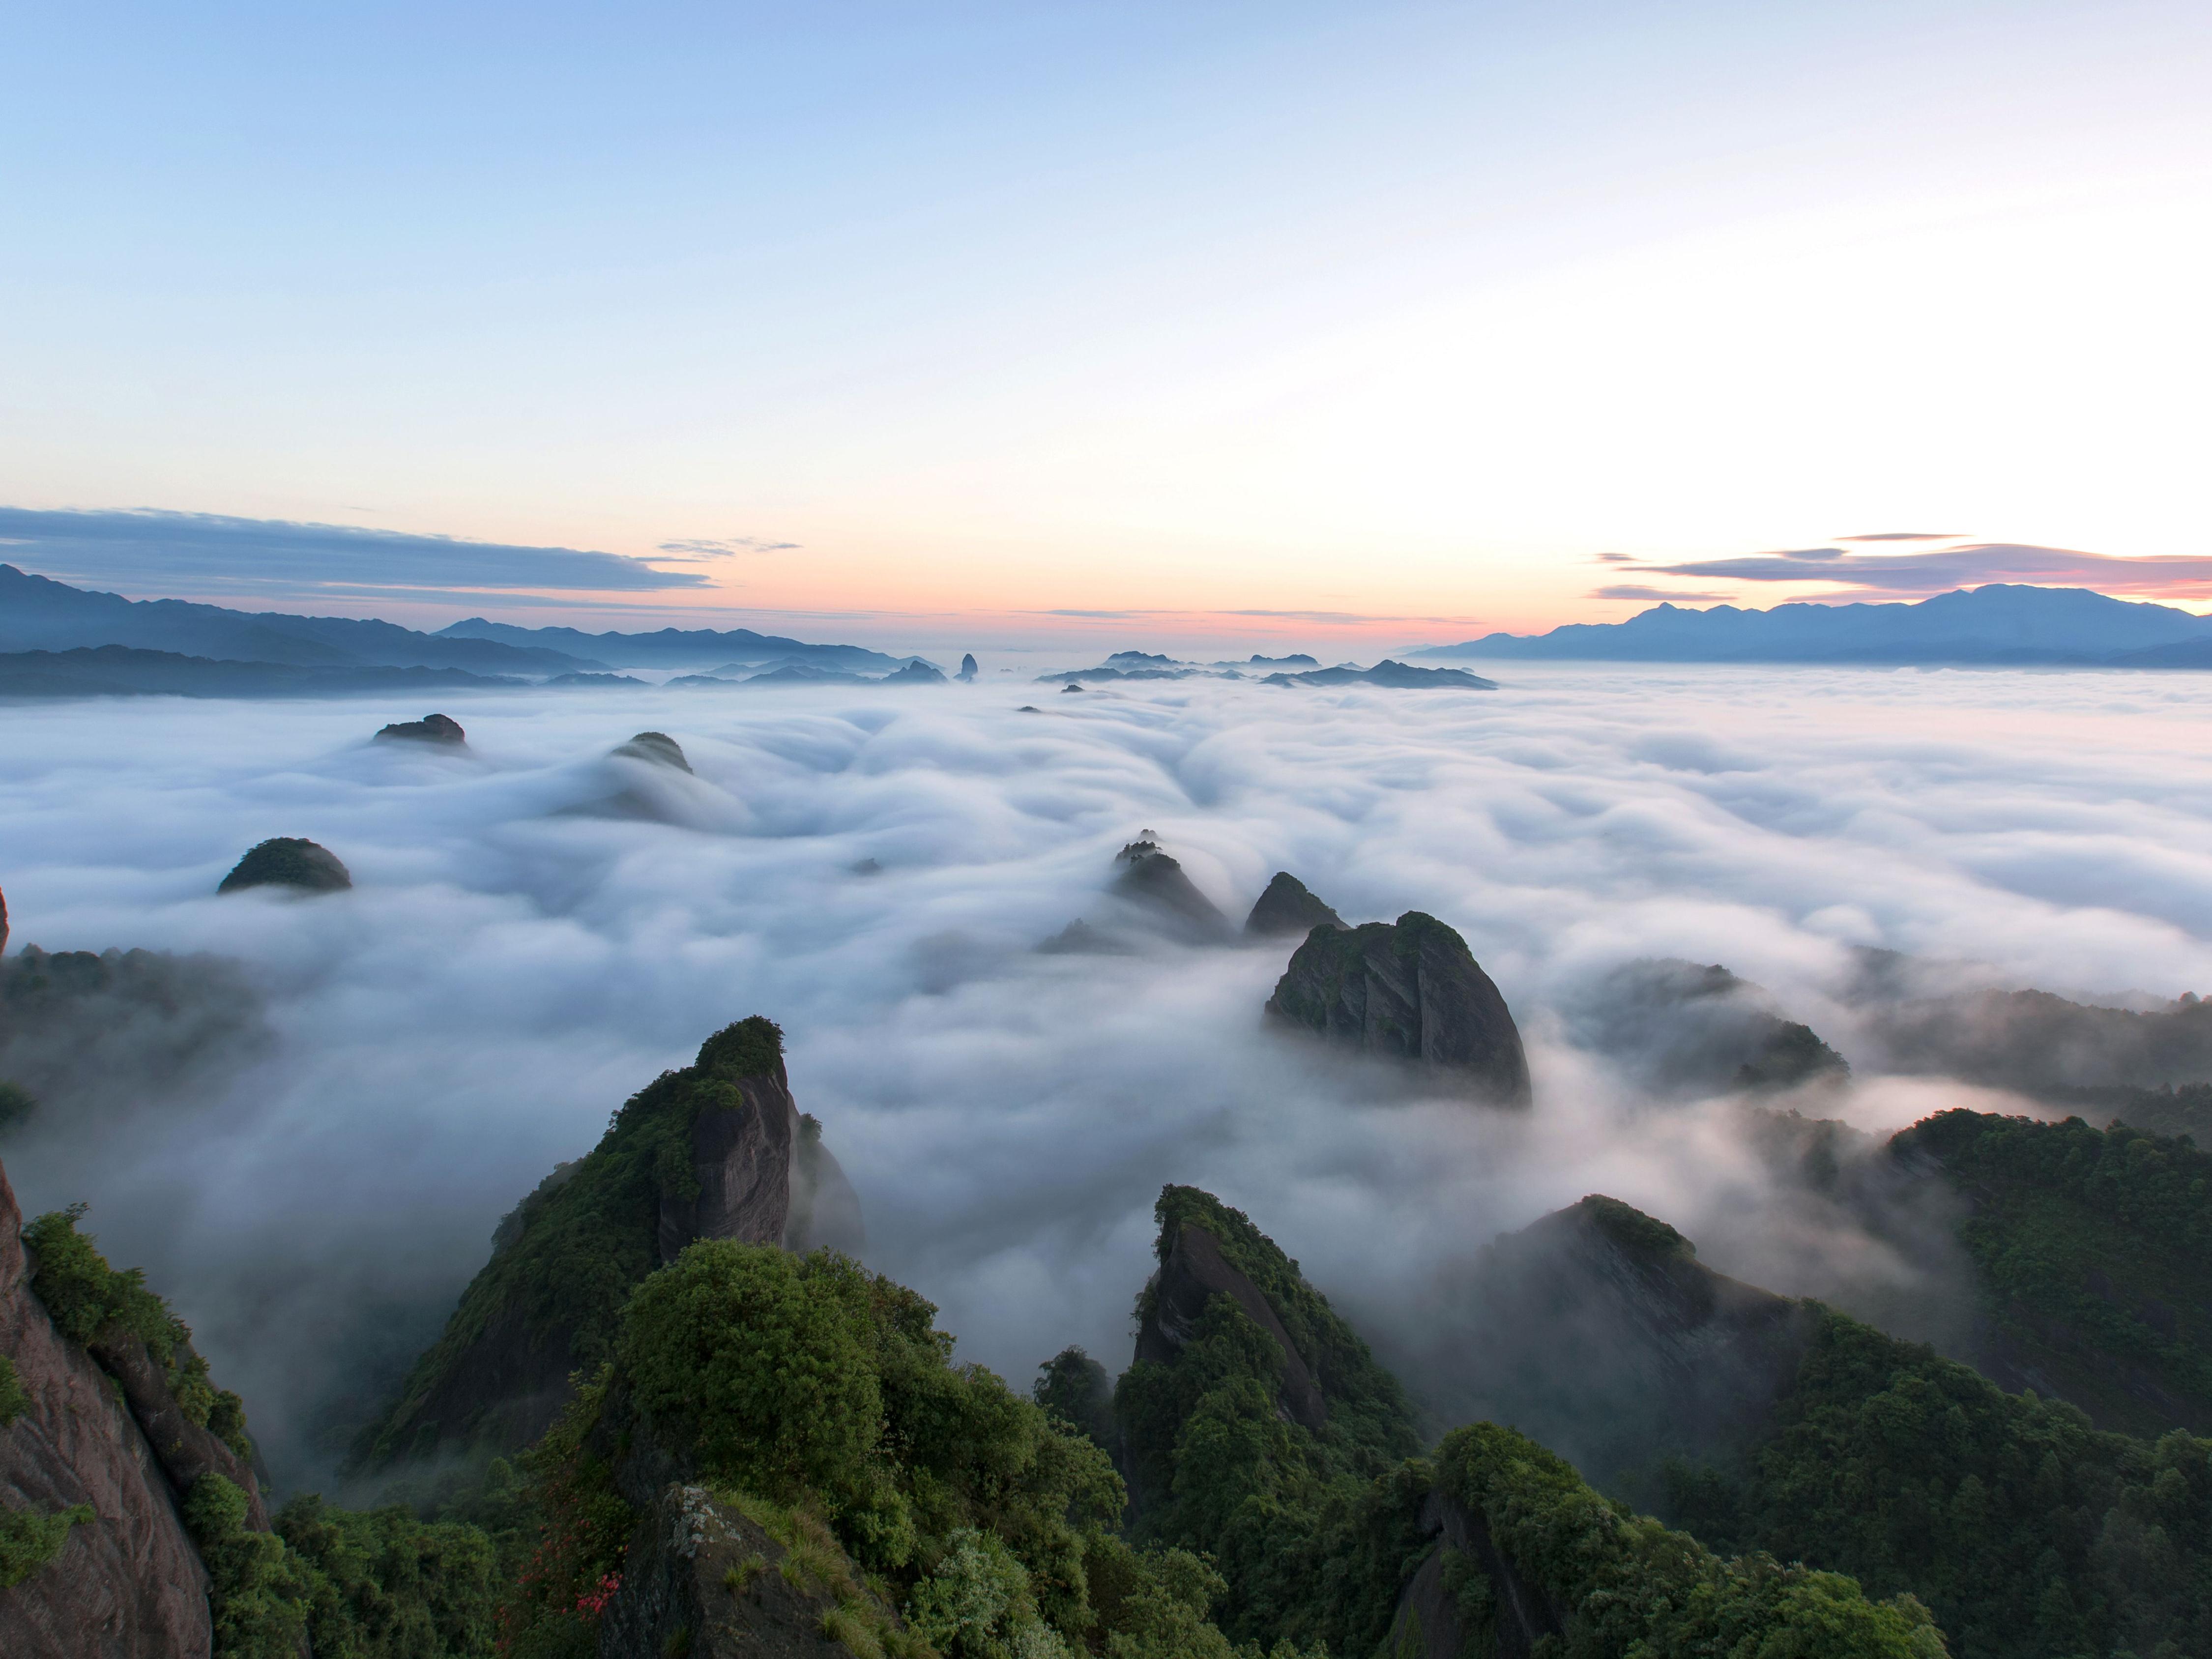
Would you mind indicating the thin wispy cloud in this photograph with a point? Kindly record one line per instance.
(2162, 576)
(206, 555)
(730, 547)
(1904, 535)
(1641, 591)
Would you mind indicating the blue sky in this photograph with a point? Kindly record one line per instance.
(1401, 311)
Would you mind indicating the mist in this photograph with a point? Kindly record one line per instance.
(536, 930)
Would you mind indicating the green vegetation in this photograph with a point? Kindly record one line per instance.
(91, 1302)
(29, 1540)
(1624, 1584)
(2094, 1248)
(1074, 1388)
(2030, 1534)
(1305, 1526)
(577, 1248)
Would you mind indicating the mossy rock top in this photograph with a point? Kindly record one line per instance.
(288, 861)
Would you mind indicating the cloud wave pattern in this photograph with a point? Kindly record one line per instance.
(507, 968)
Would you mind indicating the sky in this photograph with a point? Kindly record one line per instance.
(1290, 321)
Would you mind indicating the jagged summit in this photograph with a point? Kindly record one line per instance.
(1408, 990)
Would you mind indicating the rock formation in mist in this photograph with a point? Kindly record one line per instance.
(1397, 676)
(1680, 1030)
(431, 728)
(655, 746)
(1598, 1331)
(1287, 907)
(1407, 991)
(99, 1039)
(99, 1424)
(717, 1150)
(916, 673)
(1192, 1273)
(287, 861)
(968, 669)
(1154, 884)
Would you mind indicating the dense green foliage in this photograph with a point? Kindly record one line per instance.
(90, 1301)
(1074, 1388)
(2030, 1534)
(1306, 1526)
(1626, 1585)
(2094, 1249)
(822, 1401)
(578, 1248)
(383, 1584)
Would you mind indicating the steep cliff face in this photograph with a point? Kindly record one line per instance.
(128, 1583)
(1408, 990)
(1598, 1332)
(715, 1151)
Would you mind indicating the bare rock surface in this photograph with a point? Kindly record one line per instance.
(1428, 1625)
(741, 1158)
(129, 1584)
(655, 746)
(1408, 990)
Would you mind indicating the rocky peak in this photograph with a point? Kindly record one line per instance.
(431, 728)
(968, 669)
(1288, 908)
(1153, 883)
(1192, 1274)
(1409, 991)
(288, 861)
(657, 747)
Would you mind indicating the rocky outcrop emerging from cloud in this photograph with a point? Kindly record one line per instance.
(1408, 990)
(1395, 676)
(288, 861)
(1682, 1029)
(1288, 906)
(1154, 884)
(431, 728)
(657, 747)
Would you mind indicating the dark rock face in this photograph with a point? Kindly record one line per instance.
(431, 728)
(1681, 1029)
(129, 1584)
(1597, 1332)
(288, 861)
(741, 1159)
(968, 669)
(703, 1580)
(1194, 1272)
(655, 746)
(1408, 990)
(1428, 1625)
(1288, 908)
(1155, 885)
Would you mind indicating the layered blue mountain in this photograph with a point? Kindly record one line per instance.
(58, 640)
(1999, 624)
(679, 647)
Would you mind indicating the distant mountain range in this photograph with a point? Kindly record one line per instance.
(2000, 624)
(60, 641)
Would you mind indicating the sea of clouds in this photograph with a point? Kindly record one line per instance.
(518, 955)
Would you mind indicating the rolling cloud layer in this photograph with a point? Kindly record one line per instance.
(536, 930)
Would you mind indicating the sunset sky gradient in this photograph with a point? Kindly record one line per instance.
(1375, 322)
